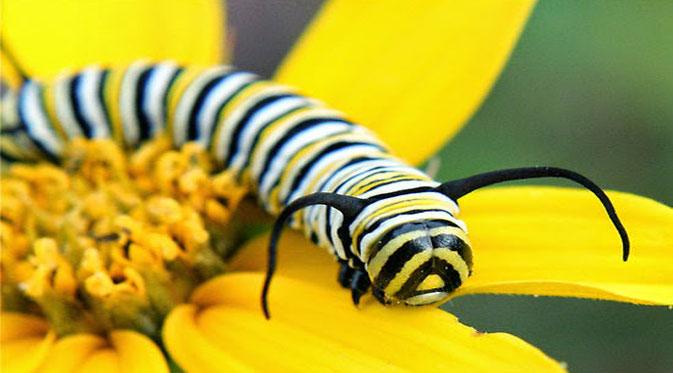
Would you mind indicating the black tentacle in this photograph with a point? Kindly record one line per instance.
(348, 206)
(458, 188)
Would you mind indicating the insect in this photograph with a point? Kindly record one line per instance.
(392, 228)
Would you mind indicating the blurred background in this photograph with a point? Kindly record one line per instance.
(589, 87)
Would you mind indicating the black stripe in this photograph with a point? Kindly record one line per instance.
(456, 244)
(445, 270)
(402, 192)
(415, 279)
(105, 74)
(399, 258)
(354, 161)
(192, 128)
(306, 168)
(139, 100)
(390, 170)
(221, 107)
(321, 186)
(6, 157)
(258, 136)
(393, 232)
(400, 177)
(297, 129)
(9, 131)
(24, 124)
(234, 143)
(356, 175)
(169, 86)
(84, 125)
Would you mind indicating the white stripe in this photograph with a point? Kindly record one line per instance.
(264, 146)
(370, 239)
(153, 105)
(352, 173)
(88, 98)
(316, 213)
(228, 124)
(188, 99)
(442, 201)
(213, 102)
(287, 150)
(333, 160)
(64, 110)
(127, 102)
(37, 122)
(400, 185)
(259, 120)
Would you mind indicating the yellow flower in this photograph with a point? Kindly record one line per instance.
(354, 57)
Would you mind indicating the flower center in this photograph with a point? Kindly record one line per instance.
(108, 241)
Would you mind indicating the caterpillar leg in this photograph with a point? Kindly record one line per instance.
(359, 285)
(355, 279)
(345, 274)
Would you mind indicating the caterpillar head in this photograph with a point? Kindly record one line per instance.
(420, 263)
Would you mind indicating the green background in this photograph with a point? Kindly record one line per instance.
(589, 87)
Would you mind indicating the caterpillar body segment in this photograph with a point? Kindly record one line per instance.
(392, 228)
(407, 240)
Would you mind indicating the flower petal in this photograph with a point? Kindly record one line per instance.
(312, 329)
(126, 351)
(77, 33)
(298, 258)
(71, 352)
(25, 341)
(557, 241)
(137, 353)
(414, 73)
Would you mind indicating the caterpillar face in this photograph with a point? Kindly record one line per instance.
(420, 263)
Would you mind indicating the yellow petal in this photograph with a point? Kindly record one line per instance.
(312, 330)
(71, 352)
(137, 353)
(297, 258)
(25, 341)
(557, 241)
(101, 361)
(47, 36)
(413, 72)
(125, 351)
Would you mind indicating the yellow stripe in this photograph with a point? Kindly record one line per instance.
(395, 208)
(18, 150)
(454, 259)
(451, 230)
(175, 92)
(9, 73)
(111, 93)
(376, 264)
(409, 267)
(312, 185)
(383, 178)
(296, 160)
(49, 99)
(248, 92)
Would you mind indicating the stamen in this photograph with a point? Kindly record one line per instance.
(103, 244)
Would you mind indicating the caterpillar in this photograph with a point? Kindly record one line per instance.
(393, 229)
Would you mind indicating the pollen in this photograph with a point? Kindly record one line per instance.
(111, 240)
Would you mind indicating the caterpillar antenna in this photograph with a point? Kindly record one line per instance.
(456, 189)
(347, 205)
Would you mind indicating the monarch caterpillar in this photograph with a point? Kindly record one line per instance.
(392, 228)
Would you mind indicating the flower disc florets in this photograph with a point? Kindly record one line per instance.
(109, 241)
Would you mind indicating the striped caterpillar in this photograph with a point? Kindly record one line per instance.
(392, 228)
